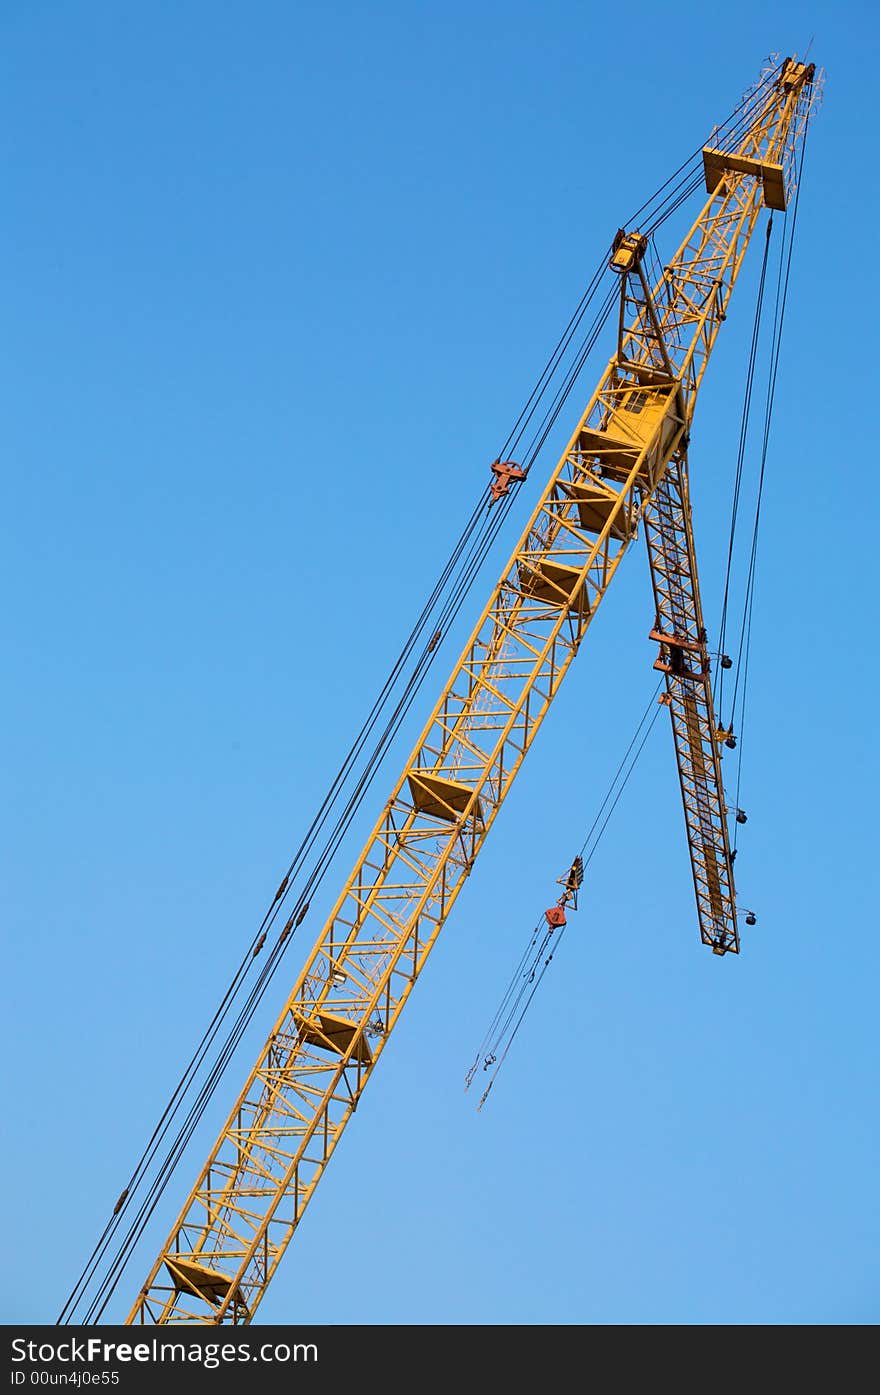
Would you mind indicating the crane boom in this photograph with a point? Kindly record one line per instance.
(236, 1223)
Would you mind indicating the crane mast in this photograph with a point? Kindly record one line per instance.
(625, 464)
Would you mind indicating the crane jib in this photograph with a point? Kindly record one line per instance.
(625, 467)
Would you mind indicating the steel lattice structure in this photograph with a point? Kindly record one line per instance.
(625, 466)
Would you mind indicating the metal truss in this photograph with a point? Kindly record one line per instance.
(684, 659)
(262, 1172)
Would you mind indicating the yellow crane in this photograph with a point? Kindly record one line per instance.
(625, 468)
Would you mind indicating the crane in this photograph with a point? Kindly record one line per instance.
(624, 469)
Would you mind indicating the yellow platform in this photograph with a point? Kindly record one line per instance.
(334, 1033)
(210, 1283)
(554, 583)
(716, 162)
(594, 507)
(445, 799)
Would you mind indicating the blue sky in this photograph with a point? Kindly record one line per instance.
(277, 280)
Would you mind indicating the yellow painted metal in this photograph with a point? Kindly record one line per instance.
(334, 1033)
(716, 163)
(595, 506)
(206, 1283)
(555, 583)
(444, 798)
(283, 1129)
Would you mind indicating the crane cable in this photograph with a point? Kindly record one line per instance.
(472, 547)
(680, 194)
(537, 955)
(782, 285)
(742, 116)
(740, 461)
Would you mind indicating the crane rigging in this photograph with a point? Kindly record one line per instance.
(544, 939)
(531, 969)
(624, 469)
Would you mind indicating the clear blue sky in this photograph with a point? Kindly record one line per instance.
(276, 281)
